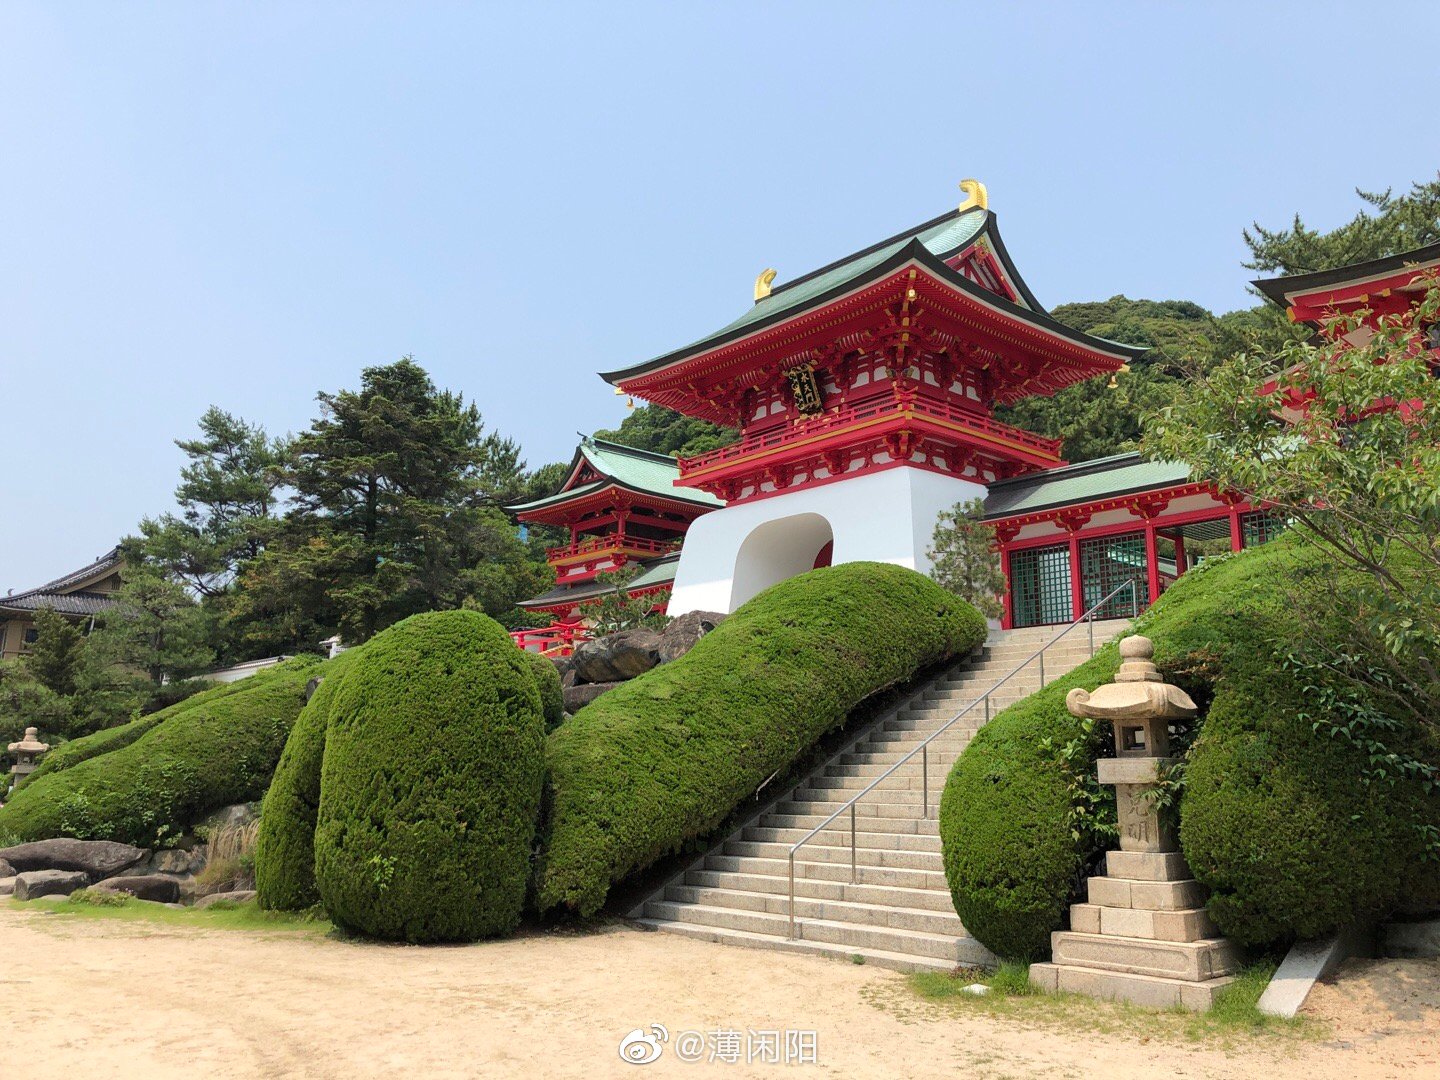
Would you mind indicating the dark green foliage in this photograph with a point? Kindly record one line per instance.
(285, 843)
(547, 681)
(1007, 818)
(54, 659)
(1277, 818)
(664, 758)
(430, 787)
(209, 753)
(665, 431)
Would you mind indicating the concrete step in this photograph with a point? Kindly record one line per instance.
(1149, 895)
(924, 899)
(905, 860)
(922, 826)
(806, 907)
(1147, 990)
(840, 837)
(1189, 925)
(954, 949)
(897, 876)
(1192, 961)
(877, 957)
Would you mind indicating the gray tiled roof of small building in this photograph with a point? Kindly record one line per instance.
(1084, 482)
(56, 595)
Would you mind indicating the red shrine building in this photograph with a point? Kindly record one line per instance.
(622, 508)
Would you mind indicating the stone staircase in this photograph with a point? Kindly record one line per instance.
(897, 913)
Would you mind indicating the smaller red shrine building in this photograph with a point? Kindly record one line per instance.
(621, 507)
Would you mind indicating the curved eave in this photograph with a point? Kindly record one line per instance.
(1286, 290)
(603, 489)
(915, 253)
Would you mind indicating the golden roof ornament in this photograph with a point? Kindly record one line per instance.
(762, 284)
(975, 195)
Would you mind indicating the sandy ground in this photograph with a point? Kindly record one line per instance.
(111, 999)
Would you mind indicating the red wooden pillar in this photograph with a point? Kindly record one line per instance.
(1180, 564)
(1077, 587)
(1007, 618)
(1237, 535)
(1152, 562)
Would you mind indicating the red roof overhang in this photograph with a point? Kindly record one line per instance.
(609, 497)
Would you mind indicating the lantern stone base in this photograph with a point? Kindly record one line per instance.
(1143, 938)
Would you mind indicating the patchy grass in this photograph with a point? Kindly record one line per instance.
(100, 905)
(1012, 996)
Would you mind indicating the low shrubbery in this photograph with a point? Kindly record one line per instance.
(664, 758)
(212, 752)
(285, 845)
(547, 682)
(430, 786)
(1293, 830)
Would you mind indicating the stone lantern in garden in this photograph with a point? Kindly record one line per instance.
(1143, 935)
(26, 752)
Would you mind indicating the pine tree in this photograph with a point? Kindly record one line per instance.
(55, 657)
(963, 558)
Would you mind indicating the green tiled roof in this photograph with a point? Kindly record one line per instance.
(1085, 482)
(638, 470)
(661, 572)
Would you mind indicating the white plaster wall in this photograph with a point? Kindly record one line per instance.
(880, 517)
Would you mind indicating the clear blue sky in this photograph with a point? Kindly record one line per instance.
(244, 203)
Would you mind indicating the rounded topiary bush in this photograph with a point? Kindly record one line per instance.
(285, 842)
(547, 681)
(212, 752)
(666, 757)
(430, 786)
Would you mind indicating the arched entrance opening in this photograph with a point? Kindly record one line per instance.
(778, 550)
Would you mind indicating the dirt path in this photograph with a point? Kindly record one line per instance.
(111, 999)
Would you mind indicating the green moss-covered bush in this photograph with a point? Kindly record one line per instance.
(664, 758)
(207, 755)
(430, 787)
(285, 842)
(1277, 818)
(547, 681)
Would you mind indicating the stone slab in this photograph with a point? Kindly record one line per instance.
(1190, 961)
(34, 884)
(1304, 965)
(1147, 990)
(1129, 770)
(1151, 895)
(1147, 865)
(1085, 918)
(7, 886)
(1403, 940)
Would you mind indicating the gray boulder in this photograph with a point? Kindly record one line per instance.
(235, 896)
(680, 636)
(7, 886)
(157, 887)
(577, 697)
(97, 858)
(616, 657)
(34, 884)
(6, 870)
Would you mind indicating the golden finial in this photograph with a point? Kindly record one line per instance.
(1114, 383)
(975, 195)
(762, 284)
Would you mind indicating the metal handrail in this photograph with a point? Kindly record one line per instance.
(924, 748)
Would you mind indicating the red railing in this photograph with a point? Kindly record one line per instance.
(557, 640)
(616, 542)
(854, 414)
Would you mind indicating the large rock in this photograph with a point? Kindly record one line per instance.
(235, 896)
(616, 657)
(175, 861)
(7, 886)
(229, 817)
(34, 884)
(683, 632)
(577, 697)
(97, 858)
(157, 887)
(6, 870)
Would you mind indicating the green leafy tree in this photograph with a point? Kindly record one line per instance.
(665, 431)
(963, 558)
(618, 609)
(1357, 463)
(395, 511)
(228, 496)
(55, 657)
(1392, 224)
(155, 631)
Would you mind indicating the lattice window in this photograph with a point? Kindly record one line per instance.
(1040, 585)
(1262, 526)
(1106, 564)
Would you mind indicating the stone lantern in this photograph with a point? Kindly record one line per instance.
(1143, 935)
(26, 752)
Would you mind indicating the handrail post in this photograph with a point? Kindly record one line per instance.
(1041, 656)
(925, 778)
(987, 705)
(792, 895)
(1134, 599)
(854, 874)
(1091, 623)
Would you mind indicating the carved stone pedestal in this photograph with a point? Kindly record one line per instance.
(1143, 936)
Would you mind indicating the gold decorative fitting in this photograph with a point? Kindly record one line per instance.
(629, 401)
(975, 195)
(1114, 383)
(762, 284)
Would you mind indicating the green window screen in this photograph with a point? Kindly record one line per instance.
(1106, 564)
(1261, 526)
(1040, 585)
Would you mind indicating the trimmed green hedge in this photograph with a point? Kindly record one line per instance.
(1276, 818)
(430, 786)
(205, 756)
(285, 843)
(1005, 818)
(664, 758)
(547, 681)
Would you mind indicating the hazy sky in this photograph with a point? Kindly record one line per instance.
(242, 204)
